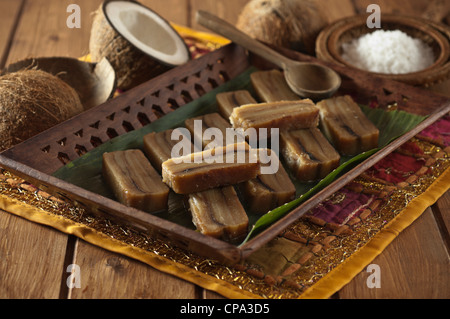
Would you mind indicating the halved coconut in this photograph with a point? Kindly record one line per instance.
(138, 42)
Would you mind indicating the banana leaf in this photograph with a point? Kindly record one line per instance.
(85, 171)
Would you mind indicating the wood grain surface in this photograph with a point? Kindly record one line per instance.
(34, 258)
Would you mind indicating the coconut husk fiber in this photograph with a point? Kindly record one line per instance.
(32, 101)
(93, 82)
(132, 67)
(292, 24)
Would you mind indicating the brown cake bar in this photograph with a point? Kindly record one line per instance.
(219, 213)
(271, 86)
(158, 146)
(134, 181)
(269, 190)
(209, 121)
(308, 154)
(217, 167)
(216, 212)
(344, 123)
(285, 115)
(227, 101)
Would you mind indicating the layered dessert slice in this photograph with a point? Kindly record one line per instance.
(134, 181)
(344, 123)
(219, 213)
(216, 212)
(227, 101)
(271, 189)
(271, 86)
(213, 168)
(210, 129)
(285, 115)
(308, 154)
(159, 147)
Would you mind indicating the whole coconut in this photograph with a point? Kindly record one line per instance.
(292, 24)
(32, 101)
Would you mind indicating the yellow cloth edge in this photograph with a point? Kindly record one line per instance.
(347, 270)
(94, 237)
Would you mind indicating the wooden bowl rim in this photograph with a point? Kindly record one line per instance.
(327, 48)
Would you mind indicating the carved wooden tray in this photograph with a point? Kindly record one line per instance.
(39, 157)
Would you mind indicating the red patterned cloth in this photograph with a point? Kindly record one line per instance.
(341, 207)
(439, 132)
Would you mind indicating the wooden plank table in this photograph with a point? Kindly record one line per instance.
(34, 258)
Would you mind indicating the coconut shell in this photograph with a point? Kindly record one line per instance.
(32, 101)
(132, 67)
(292, 24)
(93, 82)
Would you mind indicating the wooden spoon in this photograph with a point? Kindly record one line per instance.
(309, 80)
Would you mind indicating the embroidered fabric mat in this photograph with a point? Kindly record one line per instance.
(313, 258)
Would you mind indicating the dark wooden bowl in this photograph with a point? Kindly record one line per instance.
(437, 36)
